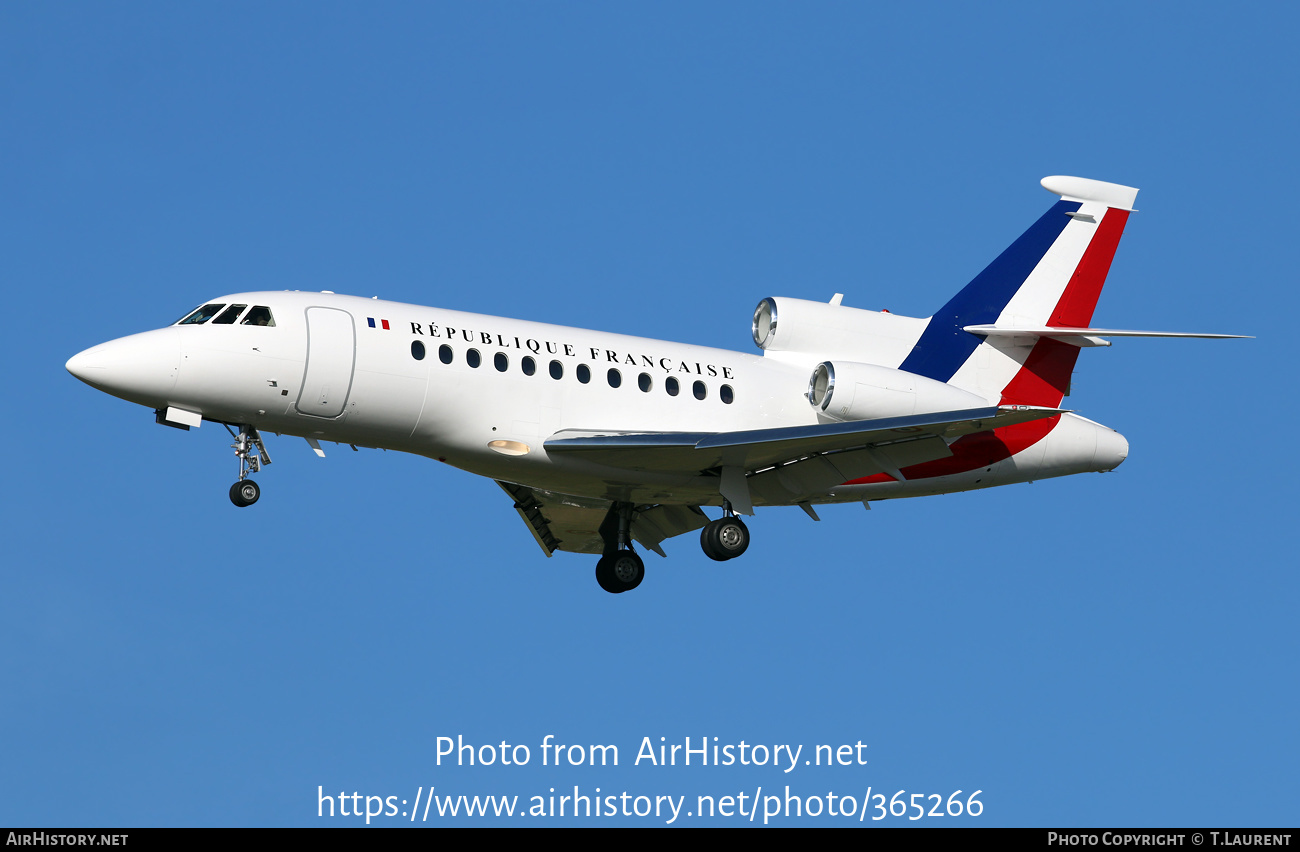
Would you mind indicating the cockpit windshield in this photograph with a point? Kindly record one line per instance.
(202, 315)
(229, 315)
(258, 315)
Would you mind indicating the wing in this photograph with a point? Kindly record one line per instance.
(792, 464)
(796, 462)
(757, 449)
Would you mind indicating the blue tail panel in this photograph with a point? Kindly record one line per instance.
(944, 346)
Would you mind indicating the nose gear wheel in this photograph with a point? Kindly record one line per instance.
(252, 455)
(244, 493)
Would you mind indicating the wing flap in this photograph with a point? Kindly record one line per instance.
(817, 474)
(559, 522)
(653, 525)
(572, 524)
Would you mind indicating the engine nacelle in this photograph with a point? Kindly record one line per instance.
(844, 390)
(825, 330)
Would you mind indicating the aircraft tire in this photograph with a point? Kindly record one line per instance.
(605, 575)
(244, 493)
(708, 545)
(628, 570)
(621, 572)
(725, 538)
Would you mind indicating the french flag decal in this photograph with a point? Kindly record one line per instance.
(371, 320)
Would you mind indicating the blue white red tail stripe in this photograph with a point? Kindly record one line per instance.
(1045, 376)
(944, 346)
(1051, 276)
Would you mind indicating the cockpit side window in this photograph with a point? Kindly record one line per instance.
(229, 315)
(259, 315)
(202, 315)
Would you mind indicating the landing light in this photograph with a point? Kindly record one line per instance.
(510, 448)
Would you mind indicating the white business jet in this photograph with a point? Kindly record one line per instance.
(602, 440)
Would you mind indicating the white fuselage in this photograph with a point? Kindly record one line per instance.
(344, 369)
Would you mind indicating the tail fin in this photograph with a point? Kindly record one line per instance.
(1051, 276)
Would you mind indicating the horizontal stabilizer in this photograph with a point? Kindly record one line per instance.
(1084, 336)
(762, 448)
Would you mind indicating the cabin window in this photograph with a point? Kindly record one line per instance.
(644, 382)
(501, 361)
(699, 390)
(557, 370)
(417, 350)
(259, 315)
(528, 365)
(671, 385)
(726, 394)
(229, 315)
(445, 354)
(584, 373)
(615, 377)
(202, 315)
(473, 358)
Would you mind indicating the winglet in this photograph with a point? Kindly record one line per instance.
(1085, 189)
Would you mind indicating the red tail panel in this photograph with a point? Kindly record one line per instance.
(974, 451)
(1077, 303)
(1045, 376)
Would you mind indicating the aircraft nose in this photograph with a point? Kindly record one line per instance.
(79, 364)
(1112, 449)
(141, 368)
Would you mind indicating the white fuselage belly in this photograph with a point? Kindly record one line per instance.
(452, 411)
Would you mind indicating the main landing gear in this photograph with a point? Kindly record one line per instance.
(726, 538)
(621, 572)
(252, 455)
(619, 569)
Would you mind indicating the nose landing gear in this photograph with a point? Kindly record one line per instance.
(244, 493)
(252, 455)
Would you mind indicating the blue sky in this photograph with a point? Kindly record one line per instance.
(1097, 650)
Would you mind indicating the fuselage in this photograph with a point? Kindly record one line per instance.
(483, 393)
